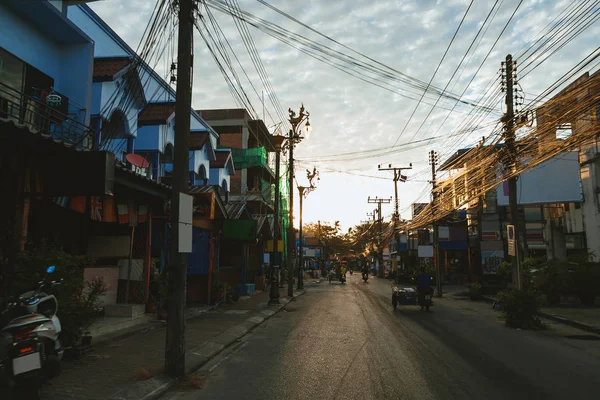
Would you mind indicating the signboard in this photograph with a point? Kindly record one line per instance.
(425, 251)
(443, 233)
(236, 229)
(510, 234)
(490, 235)
(554, 181)
(491, 261)
(270, 246)
(185, 223)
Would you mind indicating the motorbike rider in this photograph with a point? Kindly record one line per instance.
(423, 285)
(343, 271)
(365, 270)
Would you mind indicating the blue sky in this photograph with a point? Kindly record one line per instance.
(349, 115)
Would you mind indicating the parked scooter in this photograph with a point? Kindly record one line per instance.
(30, 349)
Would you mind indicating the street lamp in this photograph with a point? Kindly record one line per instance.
(294, 138)
(277, 141)
(303, 191)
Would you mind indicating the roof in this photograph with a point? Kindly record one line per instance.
(196, 189)
(106, 69)
(223, 160)
(235, 209)
(198, 140)
(156, 113)
(260, 222)
(122, 168)
(224, 114)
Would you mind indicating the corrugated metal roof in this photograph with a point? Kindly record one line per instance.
(235, 209)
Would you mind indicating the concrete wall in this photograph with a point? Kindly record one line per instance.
(70, 65)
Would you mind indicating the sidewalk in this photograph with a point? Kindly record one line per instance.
(581, 317)
(131, 368)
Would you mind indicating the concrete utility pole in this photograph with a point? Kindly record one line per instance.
(402, 178)
(433, 160)
(379, 201)
(511, 161)
(175, 340)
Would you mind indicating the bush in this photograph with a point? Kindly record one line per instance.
(475, 291)
(520, 308)
(78, 300)
(552, 280)
(586, 281)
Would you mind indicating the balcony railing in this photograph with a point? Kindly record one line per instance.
(51, 116)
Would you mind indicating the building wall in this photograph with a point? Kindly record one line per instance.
(70, 65)
(590, 180)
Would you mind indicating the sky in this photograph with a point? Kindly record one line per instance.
(349, 115)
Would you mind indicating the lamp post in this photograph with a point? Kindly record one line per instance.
(277, 141)
(294, 138)
(303, 191)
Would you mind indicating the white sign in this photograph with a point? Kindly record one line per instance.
(444, 233)
(425, 251)
(510, 234)
(185, 222)
(554, 181)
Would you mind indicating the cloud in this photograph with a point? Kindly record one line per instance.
(349, 115)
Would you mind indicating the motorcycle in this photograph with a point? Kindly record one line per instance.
(30, 349)
(412, 296)
(343, 278)
(365, 277)
(351, 272)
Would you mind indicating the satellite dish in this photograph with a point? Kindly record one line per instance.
(137, 160)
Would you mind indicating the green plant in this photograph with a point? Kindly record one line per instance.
(552, 280)
(78, 300)
(505, 274)
(586, 281)
(521, 308)
(475, 291)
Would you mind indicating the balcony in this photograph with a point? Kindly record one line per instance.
(47, 113)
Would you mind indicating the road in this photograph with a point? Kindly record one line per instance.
(345, 342)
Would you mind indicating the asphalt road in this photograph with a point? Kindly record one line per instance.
(346, 342)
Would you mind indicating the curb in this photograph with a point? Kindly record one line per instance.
(156, 387)
(573, 323)
(562, 320)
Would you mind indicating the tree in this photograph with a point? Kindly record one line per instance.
(329, 237)
(363, 238)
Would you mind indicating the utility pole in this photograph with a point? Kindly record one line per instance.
(303, 191)
(511, 160)
(433, 160)
(402, 178)
(379, 201)
(293, 139)
(175, 340)
(276, 256)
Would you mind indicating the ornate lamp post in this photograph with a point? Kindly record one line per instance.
(303, 191)
(277, 141)
(293, 139)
